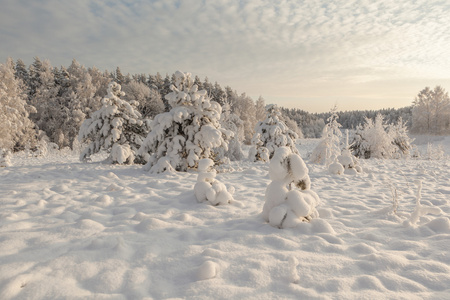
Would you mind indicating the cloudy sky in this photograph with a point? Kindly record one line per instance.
(312, 54)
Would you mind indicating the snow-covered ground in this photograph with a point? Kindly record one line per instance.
(73, 230)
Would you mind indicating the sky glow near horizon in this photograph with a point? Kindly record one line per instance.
(358, 54)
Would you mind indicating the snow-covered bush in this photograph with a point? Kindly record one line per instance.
(5, 158)
(329, 145)
(208, 188)
(271, 134)
(289, 199)
(190, 131)
(116, 127)
(435, 152)
(400, 139)
(373, 140)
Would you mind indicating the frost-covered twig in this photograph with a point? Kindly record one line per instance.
(395, 200)
(421, 210)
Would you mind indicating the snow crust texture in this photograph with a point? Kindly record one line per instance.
(95, 231)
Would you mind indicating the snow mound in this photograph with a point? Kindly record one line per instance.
(207, 270)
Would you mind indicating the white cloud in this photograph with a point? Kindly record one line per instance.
(259, 46)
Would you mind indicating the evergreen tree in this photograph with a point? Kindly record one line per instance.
(218, 94)
(271, 134)
(62, 80)
(198, 83)
(166, 90)
(116, 127)
(34, 72)
(190, 131)
(119, 78)
(208, 87)
(22, 73)
(158, 83)
(51, 112)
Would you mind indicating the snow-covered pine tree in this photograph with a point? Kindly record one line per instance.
(16, 129)
(116, 127)
(329, 146)
(190, 131)
(233, 123)
(77, 100)
(289, 199)
(373, 140)
(118, 76)
(21, 73)
(271, 134)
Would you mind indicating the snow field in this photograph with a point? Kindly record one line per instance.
(73, 230)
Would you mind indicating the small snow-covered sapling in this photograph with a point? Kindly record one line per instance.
(288, 198)
(208, 188)
(346, 162)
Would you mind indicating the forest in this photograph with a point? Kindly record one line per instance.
(45, 104)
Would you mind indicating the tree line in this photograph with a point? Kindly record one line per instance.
(45, 103)
(40, 103)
